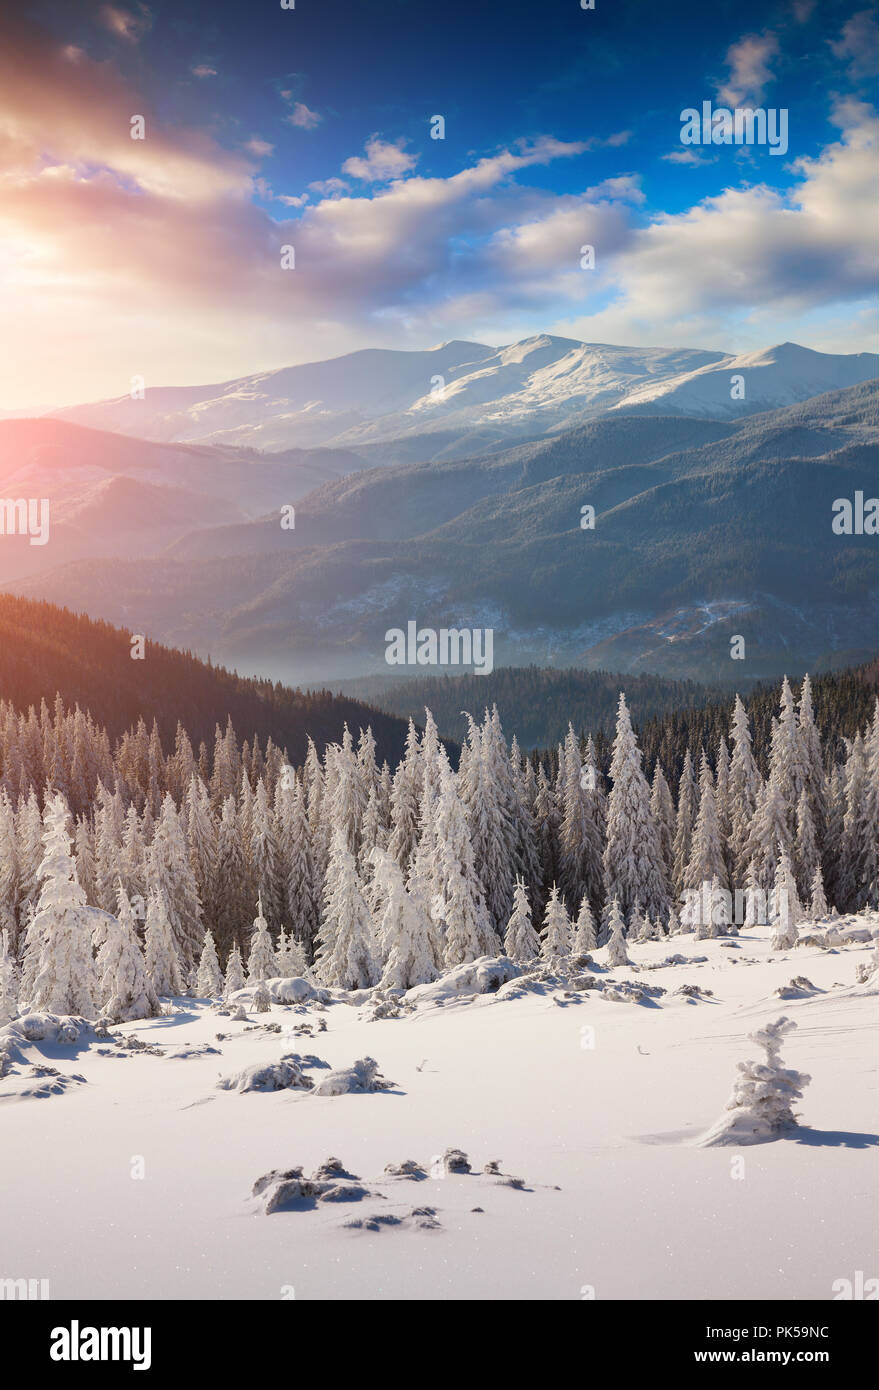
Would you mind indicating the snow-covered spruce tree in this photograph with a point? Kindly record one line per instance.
(744, 786)
(459, 904)
(812, 760)
(8, 981)
(764, 1094)
(673, 926)
(521, 941)
(663, 811)
(786, 764)
(756, 900)
(170, 872)
(262, 1000)
(261, 957)
(785, 909)
(524, 788)
(818, 904)
(580, 843)
(556, 942)
(633, 867)
(8, 869)
(405, 933)
(202, 843)
(346, 792)
(345, 955)
(125, 991)
(234, 979)
(405, 796)
(493, 835)
(231, 909)
(163, 967)
(635, 925)
(851, 881)
(585, 933)
(769, 834)
(616, 945)
(65, 979)
(423, 882)
(806, 856)
(302, 894)
(109, 824)
(209, 982)
(869, 863)
(547, 820)
(686, 819)
(706, 854)
(290, 961)
(29, 848)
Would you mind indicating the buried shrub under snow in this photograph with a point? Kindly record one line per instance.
(760, 1107)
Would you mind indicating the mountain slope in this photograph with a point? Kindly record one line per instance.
(114, 495)
(461, 398)
(704, 530)
(770, 378)
(46, 649)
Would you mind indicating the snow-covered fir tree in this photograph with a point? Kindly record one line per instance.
(405, 933)
(234, 978)
(60, 934)
(163, 965)
(125, 990)
(261, 957)
(346, 953)
(633, 866)
(521, 941)
(556, 941)
(616, 945)
(585, 934)
(209, 981)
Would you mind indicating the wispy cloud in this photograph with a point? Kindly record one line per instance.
(858, 44)
(750, 70)
(130, 25)
(303, 117)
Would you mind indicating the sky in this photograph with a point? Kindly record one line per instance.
(311, 127)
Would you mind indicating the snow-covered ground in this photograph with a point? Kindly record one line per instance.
(617, 1200)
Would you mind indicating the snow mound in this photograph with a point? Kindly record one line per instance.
(629, 991)
(361, 1076)
(50, 1036)
(286, 1075)
(295, 990)
(798, 988)
(281, 990)
(407, 1169)
(290, 1190)
(422, 1218)
(483, 976)
(450, 1161)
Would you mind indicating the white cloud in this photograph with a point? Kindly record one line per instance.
(749, 70)
(203, 70)
(859, 43)
(260, 149)
(331, 188)
(686, 156)
(383, 161)
(302, 115)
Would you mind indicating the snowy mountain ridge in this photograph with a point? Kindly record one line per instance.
(521, 390)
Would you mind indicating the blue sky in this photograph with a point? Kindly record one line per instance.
(310, 127)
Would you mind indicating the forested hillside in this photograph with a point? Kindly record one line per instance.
(45, 650)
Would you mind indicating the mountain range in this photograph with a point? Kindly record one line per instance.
(460, 504)
(468, 398)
